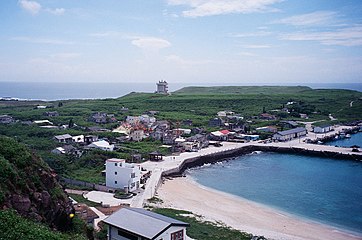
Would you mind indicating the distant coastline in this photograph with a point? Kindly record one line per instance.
(63, 91)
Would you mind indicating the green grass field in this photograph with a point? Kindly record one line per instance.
(196, 103)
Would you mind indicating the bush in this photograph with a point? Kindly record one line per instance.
(14, 227)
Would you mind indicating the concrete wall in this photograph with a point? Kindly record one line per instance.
(219, 156)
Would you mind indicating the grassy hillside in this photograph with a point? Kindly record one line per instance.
(30, 187)
(242, 90)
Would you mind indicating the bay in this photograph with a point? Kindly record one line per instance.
(355, 139)
(321, 189)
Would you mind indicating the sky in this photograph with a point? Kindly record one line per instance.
(195, 42)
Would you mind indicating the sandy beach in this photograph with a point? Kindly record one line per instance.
(239, 213)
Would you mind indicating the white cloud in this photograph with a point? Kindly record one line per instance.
(42, 40)
(350, 36)
(150, 43)
(200, 8)
(30, 6)
(56, 11)
(247, 54)
(34, 8)
(310, 19)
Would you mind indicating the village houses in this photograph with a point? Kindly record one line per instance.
(101, 118)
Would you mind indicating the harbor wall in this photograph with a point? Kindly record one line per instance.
(233, 153)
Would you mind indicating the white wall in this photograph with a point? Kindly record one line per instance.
(124, 175)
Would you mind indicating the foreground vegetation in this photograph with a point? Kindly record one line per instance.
(203, 230)
(14, 227)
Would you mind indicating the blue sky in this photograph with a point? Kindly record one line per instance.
(182, 41)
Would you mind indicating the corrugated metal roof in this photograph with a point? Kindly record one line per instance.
(141, 222)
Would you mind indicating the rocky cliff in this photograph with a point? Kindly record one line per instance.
(30, 187)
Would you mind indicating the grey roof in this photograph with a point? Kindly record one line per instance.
(291, 131)
(142, 222)
(294, 124)
(64, 136)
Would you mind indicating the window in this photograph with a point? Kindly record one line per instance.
(115, 173)
(127, 235)
(115, 182)
(115, 164)
(133, 175)
(179, 235)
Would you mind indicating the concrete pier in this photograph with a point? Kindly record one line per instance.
(175, 165)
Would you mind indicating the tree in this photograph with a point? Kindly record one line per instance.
(71, 123)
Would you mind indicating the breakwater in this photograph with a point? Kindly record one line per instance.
(311, 150)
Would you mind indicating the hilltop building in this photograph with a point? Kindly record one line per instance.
(162, 87)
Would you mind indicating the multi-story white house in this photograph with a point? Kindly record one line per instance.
(122, 175)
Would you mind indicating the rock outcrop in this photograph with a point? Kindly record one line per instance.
(30, 187)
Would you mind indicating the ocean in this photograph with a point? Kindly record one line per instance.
(83, 90)
(319, 189)
(355, 139)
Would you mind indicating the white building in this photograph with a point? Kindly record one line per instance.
(139, 224)
(290, 134)
(322, 129)
(162, 87)
(122, 175)
(78, 139)
(65, 138)
(103, 145)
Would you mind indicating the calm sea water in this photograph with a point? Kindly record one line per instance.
(320, 189)
(355, 139)
(78, 90)
(56, 91)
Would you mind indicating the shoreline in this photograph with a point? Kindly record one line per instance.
(245, 215)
